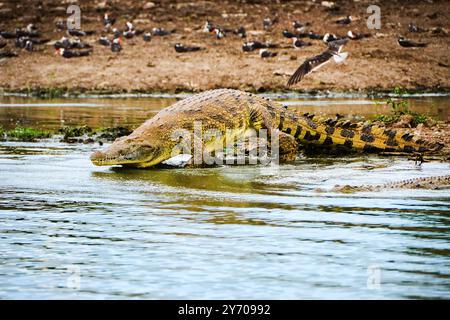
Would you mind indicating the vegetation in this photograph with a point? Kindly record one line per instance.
(83, 134)
(70, 132)
(400, 107)
(26, 134)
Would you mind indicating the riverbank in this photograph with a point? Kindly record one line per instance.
(375, 64)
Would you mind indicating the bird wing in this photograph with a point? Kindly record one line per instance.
(308, 66)
(334, 47)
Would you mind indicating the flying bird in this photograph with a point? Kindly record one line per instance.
(314, 63)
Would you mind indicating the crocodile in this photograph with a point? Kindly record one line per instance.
(430, 183)
(152, 143)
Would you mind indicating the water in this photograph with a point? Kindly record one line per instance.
(72, 230)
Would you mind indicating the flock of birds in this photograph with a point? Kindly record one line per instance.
(27, 38)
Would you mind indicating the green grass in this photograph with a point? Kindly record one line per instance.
(400, 107)
(27, 134)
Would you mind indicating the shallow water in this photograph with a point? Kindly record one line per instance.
(72, 230)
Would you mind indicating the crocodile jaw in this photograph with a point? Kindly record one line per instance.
(105, 159)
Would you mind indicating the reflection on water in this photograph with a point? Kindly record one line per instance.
(130, 112)
(72, 230)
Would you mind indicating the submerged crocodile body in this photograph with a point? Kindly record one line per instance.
(430, 183)
(222, 109)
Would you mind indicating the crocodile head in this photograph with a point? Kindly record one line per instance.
(131, 151)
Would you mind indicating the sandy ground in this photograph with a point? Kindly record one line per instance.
(377, 63)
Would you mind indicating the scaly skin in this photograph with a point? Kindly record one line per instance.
(222, 109)
(431, 183)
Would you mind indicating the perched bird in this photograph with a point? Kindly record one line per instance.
(314, 36)
(415, 29)
(8, 35)
(161, 32)
(65, 43)
(108, 21)
(73, 54)
(62, 43)
(147, 36)
(116, 33)
(298, 26)
(254, 45)
(264, 53)
(288, 34)
(20, 42)
(329, 37)
(357, 36)
(104, 41)
(207, 27)
(77, 44)
(116, 45)
(345, 20)
(129, 30)
(8, 54)
(29, 46)
(409, 43)
(311, 64)
(299, 43)
(219, 33)
(267, 22)
(79, 33)
(29, 31)
(60, 25)
(182, 48)
(128, 34)
(241, 32)
(129, 26)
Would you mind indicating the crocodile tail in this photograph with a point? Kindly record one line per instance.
(374, 139)
(347, 136)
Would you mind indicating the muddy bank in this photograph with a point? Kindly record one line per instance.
(375, 64)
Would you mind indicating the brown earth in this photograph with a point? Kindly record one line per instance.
(375, 64)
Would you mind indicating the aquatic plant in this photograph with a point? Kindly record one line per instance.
(70, 132)
(27, 134)
(113, 133)
(400, 107)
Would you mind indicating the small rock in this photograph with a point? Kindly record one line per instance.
(149, 5)
(101, 5)
(328, 4)
(430, 123)
(404, 121)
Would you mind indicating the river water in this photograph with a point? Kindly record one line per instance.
(72, 230)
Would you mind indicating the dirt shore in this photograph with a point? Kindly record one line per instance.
(374, 64)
